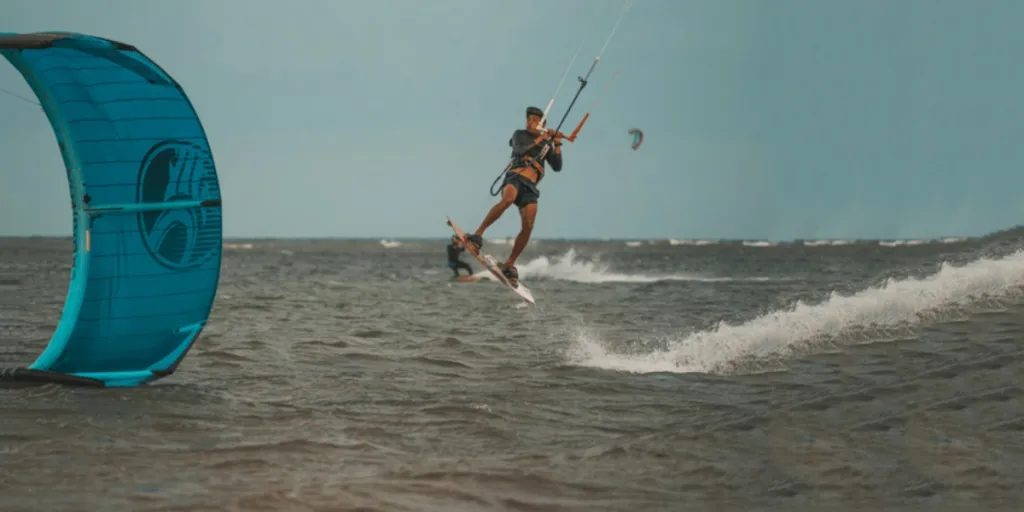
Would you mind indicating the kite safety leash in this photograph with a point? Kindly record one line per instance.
(583, 83)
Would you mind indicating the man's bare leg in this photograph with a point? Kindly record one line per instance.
(508, 196)
(528, 214)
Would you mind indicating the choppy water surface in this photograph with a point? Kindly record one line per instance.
(354, 375)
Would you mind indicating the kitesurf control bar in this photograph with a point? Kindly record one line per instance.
(583, 84)
(576, 131)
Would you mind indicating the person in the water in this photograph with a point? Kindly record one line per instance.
(520, 185)
(455, 248)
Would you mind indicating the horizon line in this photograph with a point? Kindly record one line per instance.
(377, 238)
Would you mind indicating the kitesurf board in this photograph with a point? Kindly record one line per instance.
(467, 279)
(488, 261)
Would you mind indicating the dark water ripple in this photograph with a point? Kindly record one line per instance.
(350, 376)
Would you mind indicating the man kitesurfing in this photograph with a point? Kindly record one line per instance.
(454, 250)
(532, 148)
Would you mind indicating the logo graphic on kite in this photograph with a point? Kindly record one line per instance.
(174, 170)
(638, 137)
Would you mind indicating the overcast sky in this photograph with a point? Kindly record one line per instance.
(772, 119)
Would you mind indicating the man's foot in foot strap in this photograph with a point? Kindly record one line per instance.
(511, 273)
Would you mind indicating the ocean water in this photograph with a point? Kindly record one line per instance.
(651, 375)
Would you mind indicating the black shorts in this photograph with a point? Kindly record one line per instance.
(526, 191)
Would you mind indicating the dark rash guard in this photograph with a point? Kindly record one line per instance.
(522, 145)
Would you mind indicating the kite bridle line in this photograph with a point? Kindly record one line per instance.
(583, 83)
(20, 97)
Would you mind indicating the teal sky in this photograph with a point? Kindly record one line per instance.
(770, 119)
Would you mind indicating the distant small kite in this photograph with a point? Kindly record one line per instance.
(638, 137)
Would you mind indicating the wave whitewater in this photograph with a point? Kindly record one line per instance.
(570, 267)
(871, 315)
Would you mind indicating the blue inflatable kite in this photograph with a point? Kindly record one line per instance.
(146, 205)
